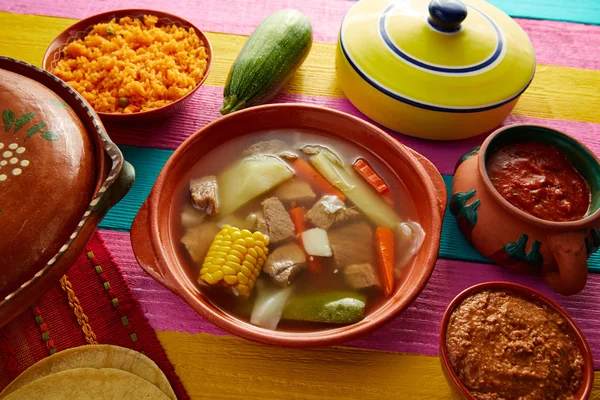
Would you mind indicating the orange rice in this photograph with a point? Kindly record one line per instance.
(134, 66)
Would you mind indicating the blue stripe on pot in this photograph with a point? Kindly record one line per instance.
(433, 68)
(416, 103)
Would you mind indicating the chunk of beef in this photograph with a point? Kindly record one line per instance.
(352, 244)
(361, 276)
(277, 222)
(329, 211)
(272, 147)
(197, 240)
(295, 190)
(204, 194)
(285, 262)
(288, 155)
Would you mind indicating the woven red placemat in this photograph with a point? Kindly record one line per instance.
(91, 304)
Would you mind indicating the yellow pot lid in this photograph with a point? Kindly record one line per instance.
(442, 55)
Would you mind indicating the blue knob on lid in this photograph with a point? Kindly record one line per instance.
(446, 15)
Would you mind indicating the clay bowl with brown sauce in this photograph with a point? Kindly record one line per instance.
(59, 175)
(156, 248)
(54, 53)
(574, 333)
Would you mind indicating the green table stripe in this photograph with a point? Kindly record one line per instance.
(580, 11)
(148, 163)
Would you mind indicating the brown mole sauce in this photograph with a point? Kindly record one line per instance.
(503, 346)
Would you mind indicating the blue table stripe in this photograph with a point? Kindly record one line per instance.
(149, 162)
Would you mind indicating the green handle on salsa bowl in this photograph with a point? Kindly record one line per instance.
(503, 229)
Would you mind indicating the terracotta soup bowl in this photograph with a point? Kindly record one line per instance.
(459, 389)
(157, 250)
(514, 238)
(54, 53)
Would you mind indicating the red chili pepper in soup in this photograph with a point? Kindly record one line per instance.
(540, 180)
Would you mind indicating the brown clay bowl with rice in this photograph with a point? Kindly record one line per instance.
(132, 65)
(268, 224)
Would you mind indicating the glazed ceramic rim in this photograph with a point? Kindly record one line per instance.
(108, 147)
(531, 295)
(85, 24)
(162, 247)
(582, 223)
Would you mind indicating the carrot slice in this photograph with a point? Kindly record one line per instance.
(384, 240)
(297, 215)
(307, 172)
(369, 174)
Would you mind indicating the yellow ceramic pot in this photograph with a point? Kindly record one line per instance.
(440, 69)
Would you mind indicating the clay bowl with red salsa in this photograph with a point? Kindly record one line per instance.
(500, 340)
(528, 199)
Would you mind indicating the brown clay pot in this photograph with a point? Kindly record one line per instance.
(458, 388)
(59, 174)
(155, 246)
(515, 239)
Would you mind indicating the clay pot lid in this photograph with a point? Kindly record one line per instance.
(48, 175)
(442, 55)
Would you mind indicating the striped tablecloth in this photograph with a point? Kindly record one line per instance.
(398, 361)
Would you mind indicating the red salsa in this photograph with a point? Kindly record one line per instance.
(540, 180)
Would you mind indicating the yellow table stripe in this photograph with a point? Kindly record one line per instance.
(230, 368)
(556, 92)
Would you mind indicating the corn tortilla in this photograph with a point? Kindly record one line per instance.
(89, 384)
(97, 357)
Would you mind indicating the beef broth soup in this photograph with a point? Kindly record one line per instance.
(295, 230)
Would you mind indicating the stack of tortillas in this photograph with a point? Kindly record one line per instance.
(98, 372)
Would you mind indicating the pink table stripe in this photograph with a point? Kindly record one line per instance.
(556, 43)
(204, 108)
(415, 331)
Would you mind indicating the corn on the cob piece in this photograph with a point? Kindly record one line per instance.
(235, 259)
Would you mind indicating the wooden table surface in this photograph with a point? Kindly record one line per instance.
(400, 360)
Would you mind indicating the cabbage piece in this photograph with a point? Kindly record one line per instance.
(269, 304)
(409, 240)
(248, 179)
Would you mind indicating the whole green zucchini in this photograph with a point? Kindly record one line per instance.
(273, 52)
